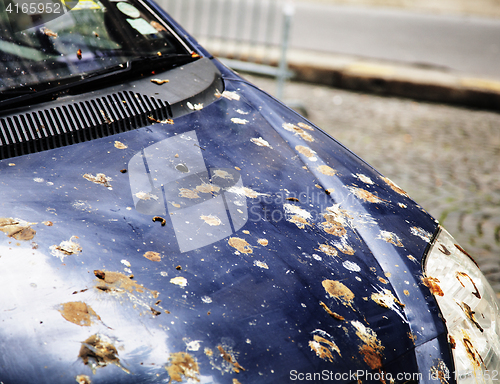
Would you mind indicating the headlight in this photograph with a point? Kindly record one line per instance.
(469, 307)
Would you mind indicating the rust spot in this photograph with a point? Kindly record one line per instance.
(331, 313)
(155, 312)
(372, 348)
(394, 187)
(338, 291)
(179, 268)
(79, 54)
(440, 372)
(230, 359)
(332, 226)
(159, 81)
(365, 195)
(235, 381)
(299, 221)
(240, 244)
(406, 292)
(160, 219)
(78, 313)
(326, 170)
(211, 220)
(472, 352)
(48, 223)
(412, 337)
(153, 256)
(97, 351)
(17, 229)
(460, 275)
(182, 364)
(292, 199)
(432, 284)
(99, 178)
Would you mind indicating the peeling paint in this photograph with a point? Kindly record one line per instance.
(17, 229)
(179, 280)
(440, 371)
(260, 142)
(339, 291)
(98, 351)
(153, 256)
(391, 238)
(326, 170)
(99, 178)
(240, 244)
(365, 195)
(394, 187)
(182, 364)
(305, 126)
(372, 348)
(345, 248)
(120, 145)
(237, 120)
(263, 242)
(78, 313)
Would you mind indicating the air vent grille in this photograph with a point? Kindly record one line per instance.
(74, 123)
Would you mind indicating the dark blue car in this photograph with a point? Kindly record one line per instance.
(166, 221)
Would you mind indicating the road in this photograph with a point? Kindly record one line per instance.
(462, 43)
(447, 158)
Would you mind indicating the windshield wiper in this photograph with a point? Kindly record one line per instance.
(96, 79)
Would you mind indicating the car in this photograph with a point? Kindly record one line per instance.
(164, 220)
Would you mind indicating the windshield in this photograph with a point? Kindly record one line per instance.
(44, 42)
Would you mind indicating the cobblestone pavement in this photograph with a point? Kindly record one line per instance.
(447, 158)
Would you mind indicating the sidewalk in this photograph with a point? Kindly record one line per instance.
(389, 78)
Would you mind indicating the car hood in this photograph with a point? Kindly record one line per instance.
(239, 242)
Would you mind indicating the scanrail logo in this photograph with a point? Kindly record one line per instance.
(170, 179)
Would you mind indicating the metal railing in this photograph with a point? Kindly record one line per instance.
(247, 35)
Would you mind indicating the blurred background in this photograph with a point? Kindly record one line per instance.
(410, 86)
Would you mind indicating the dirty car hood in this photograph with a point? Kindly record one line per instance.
(239, 240)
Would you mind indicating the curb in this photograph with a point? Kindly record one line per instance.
(415, 82)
